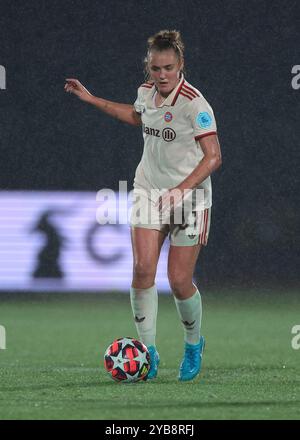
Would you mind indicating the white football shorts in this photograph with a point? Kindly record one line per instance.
(186, 226)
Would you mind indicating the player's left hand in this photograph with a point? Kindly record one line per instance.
(170, 200)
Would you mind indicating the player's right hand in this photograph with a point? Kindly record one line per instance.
(74, 86)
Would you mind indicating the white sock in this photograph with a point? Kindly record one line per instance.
(144, 304)
(190, 313)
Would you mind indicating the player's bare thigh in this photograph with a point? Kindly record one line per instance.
(146, 247)
(181, 266)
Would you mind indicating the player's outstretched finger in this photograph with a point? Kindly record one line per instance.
(72, 81)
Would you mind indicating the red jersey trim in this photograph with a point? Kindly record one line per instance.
(177, 93)
(200, 136)
(187, 96)
(188, 89)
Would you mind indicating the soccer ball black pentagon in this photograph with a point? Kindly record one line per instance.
(127, 360)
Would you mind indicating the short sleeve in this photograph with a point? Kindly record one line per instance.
(202, 118)
(138, 105)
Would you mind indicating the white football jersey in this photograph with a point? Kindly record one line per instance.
(171, 133)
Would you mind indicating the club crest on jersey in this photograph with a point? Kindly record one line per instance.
(168, 117)
(204, 120)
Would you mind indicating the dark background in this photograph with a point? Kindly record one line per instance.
(238, 53)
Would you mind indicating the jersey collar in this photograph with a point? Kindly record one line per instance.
(172, 98)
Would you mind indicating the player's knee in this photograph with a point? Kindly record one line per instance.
(143, 271)
(179, 283)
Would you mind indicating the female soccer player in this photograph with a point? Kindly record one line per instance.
(181, 150)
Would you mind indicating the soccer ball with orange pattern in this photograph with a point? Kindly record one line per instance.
(127, 360)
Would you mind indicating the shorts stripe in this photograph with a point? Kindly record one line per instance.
(203, 238)
(203, 227)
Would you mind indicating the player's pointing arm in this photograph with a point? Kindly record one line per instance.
(123, 112)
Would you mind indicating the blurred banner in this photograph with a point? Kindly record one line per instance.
(51, 241)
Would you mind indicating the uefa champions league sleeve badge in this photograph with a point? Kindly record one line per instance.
(204, 120)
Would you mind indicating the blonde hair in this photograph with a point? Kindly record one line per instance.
(164, 40)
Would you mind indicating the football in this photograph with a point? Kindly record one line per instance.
(127, 360)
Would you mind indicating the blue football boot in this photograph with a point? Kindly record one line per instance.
(191, 363)
(154, 362)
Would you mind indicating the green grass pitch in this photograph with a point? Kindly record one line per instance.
(52, 367)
